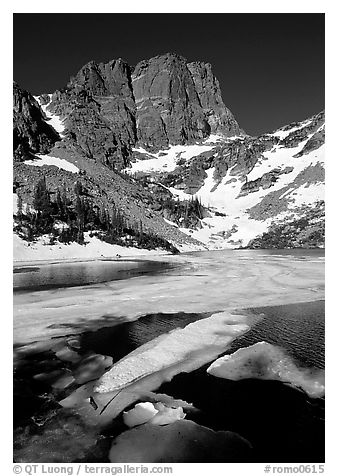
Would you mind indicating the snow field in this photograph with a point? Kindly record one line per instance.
(55, 161)
(53, 120)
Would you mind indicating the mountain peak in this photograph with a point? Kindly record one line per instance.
(165, 122)
(169, 55)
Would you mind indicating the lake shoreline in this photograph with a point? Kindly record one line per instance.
(150, 255)
(36, 262)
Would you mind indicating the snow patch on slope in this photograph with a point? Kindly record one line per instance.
(15, 203)
(213, 138)
(53, 119)
(280, 158)
(282, 133)
(307, 194)
(41, 249)
(55, 161)
(25, 207)
(166, 160)
(237, 228)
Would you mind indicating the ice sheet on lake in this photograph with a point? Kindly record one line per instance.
(203, 282)
(268, 362)
(180, 345)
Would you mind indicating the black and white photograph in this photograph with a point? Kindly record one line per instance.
(168, 240)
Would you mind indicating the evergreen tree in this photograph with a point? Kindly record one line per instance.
(42, 220)
(78, 189)
(60, 205)
(19, 206)
(41, 201)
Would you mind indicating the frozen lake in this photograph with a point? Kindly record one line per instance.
(163, 323)
(197, 282)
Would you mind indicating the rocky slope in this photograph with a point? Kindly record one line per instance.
(31, 133)
(157, 143)
(248, 184)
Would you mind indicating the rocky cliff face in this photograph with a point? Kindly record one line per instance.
(178, 103)
(31, 134)
(168, 108)
(98, 109)
(108, 109)
(218, 116)
(165, 122)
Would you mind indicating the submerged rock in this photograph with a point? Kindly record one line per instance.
(268, 362)
(68, 355)
(180, 442)
(64, 381)
(51, 376)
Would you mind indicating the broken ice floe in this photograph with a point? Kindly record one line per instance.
(141, 413)
(156, 414)
(180, 346)
(182, 441)
(268, 362)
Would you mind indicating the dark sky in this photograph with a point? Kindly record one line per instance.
(270, 66)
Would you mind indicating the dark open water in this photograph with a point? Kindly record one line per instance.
(57, 275)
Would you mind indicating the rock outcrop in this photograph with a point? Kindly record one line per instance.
(108, 108)
(98, 109)
(218, 116)
(178, 103)
(239, 155)
(31, 134)
(307, 230)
